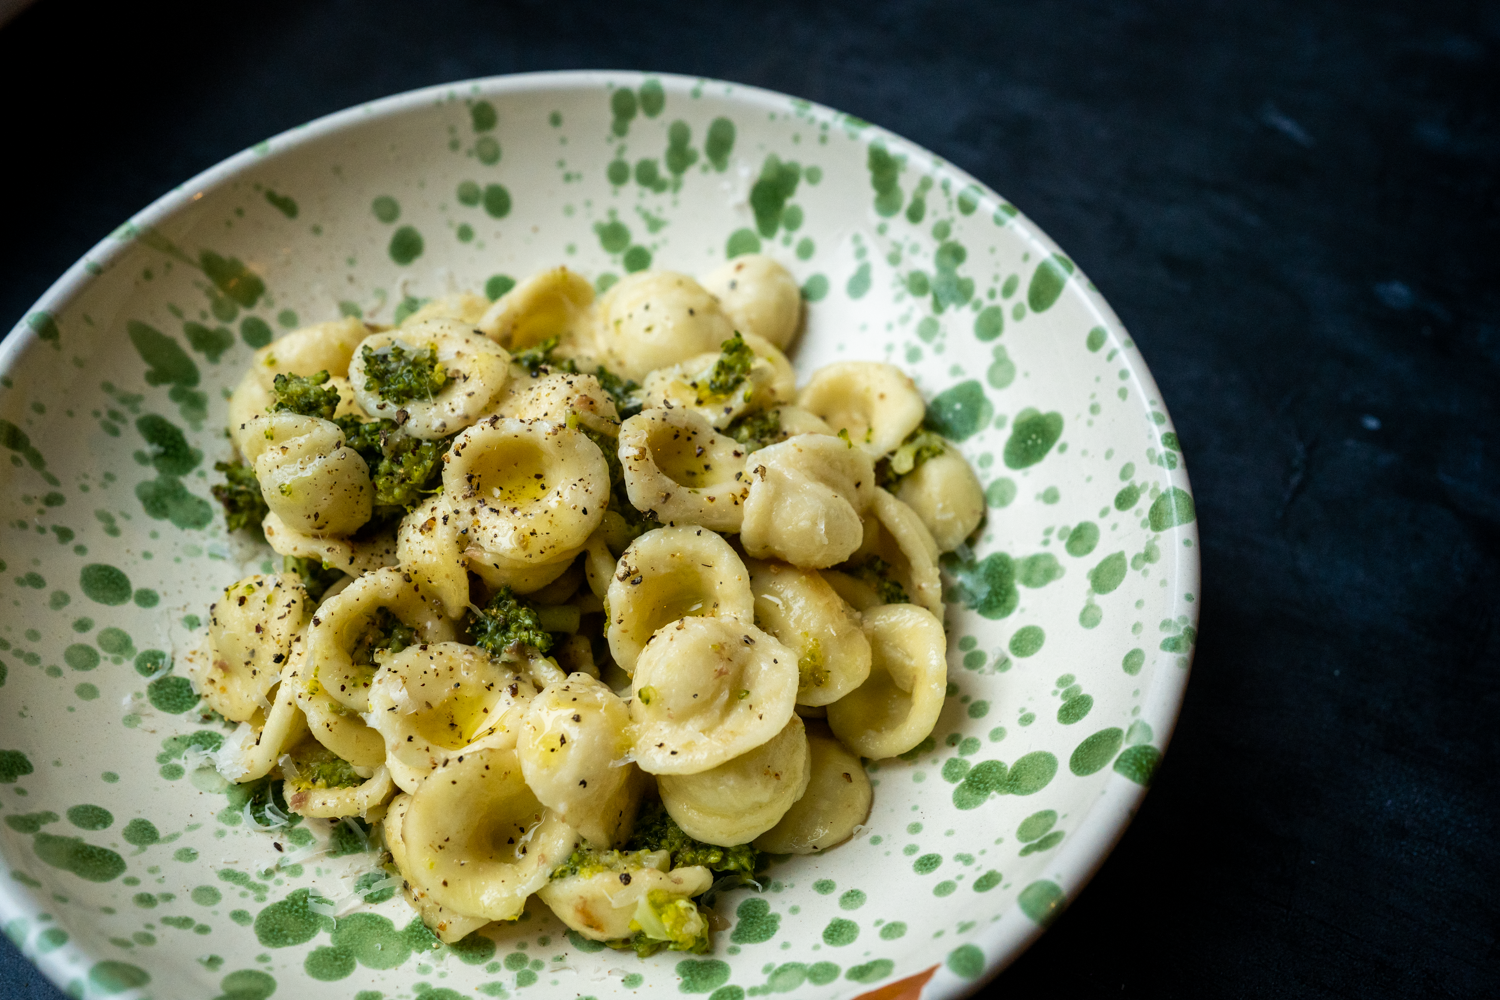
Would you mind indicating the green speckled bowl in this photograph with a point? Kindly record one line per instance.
(129, 865)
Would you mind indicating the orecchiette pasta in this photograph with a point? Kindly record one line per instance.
(653, 319)
(320, 347)
(898, 704)
(579, 571)
(799, 608)
(742, 798)
(679, 468)
(527, 492)
(344, 639)
(875, 402)
(573, 747)
(836, 802)
(759, 296)
(707, 690)
(477, 840)
(251, 629)
(553, 303)
(476, 371)
(806, 497)
(670, 574)
(441, 700)
(308, 476)
(946, 495)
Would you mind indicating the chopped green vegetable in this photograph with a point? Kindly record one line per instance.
(812, 672)
(756, 430)
(385, 633)
(244, 506)
(729, 372)
(919, 446)
(656, 830)
(662, 920)
(404, 470)
(399, 375)
(625, 392)
(538, 356)
(877, 573)
(588, 860)
(507, 622)
(318, 767)
(317, 576)
(305, 395)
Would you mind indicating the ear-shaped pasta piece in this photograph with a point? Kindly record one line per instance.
(341, 646)
(897, 706)
(598, 565)
(250, 634)
(249, 399)
(353, 556)
(896, 534)
(447, 925)
(522, 577)
(770, 380)
(707, 690)
(477, 371)
(759, 296)
(944, 492)
(430, 548)
(442, 700)
(877, 403)
(573, 743)
(671, 573)
(466, 308)
(836, 802)
(800, 609)
(652, 319)
(252, 750)
(477, 841)
(528, 492)
(742, 798)
(561, 590)
(554, 303)
(312, 349)
(601, 906)
(682, 470)
(795, 420)
(806, 497)
(559, 396)
(858, 594)
(335, 727)
(308, 476)
(332, 803)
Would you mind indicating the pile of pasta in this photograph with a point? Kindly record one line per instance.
(733, 593)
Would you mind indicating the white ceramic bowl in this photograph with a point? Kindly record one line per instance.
(129, 867)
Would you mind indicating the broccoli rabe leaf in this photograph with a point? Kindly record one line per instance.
(919, 446)
(507, 622)
(305, 395)
(729, 372)
(656, 830)
(756, 430)
(399, 375)
(316, 575)
(244, 506)
(877, 573)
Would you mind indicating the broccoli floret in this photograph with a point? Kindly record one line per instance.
(587, 860)
(244, 506)
(507, 622)
(625, 392)
(399, 375)
(877, 573)
(385, 633)
(537, 356)
(729, 372)
(656, 830)
(662, 920)
(317, 576)
(756, 430)
(304, 395)
(404, 470)
(318, 767)
(919, 446)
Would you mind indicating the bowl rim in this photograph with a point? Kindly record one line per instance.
(1105, 820)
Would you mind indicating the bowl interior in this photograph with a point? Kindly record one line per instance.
(132, 865)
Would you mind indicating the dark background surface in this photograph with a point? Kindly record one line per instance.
(1293, 207)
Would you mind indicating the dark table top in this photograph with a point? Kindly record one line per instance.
(1293, 207)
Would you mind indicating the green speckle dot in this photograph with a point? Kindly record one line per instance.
(140, 833)
(171, 694)
(86, 691)
(1027, 641)
(815, 288)
(206, 895)
(81, 657)
(966, 961)
(386, 208)
(104, 584)
(1095, 752)
(498, 285)
(146, 598)
(1042, 901)
(893, 930)
(987, 881)
(840, 932)
(852, 900)
(702, 975)
(91, 817)
(944, 888)
(927, 864)
(637, 258)
(185, 855)
(469, 193)
(117, 977)
(329, 964)
(742, 241)
(496, 200)
(406, 245)
(1139, 763)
